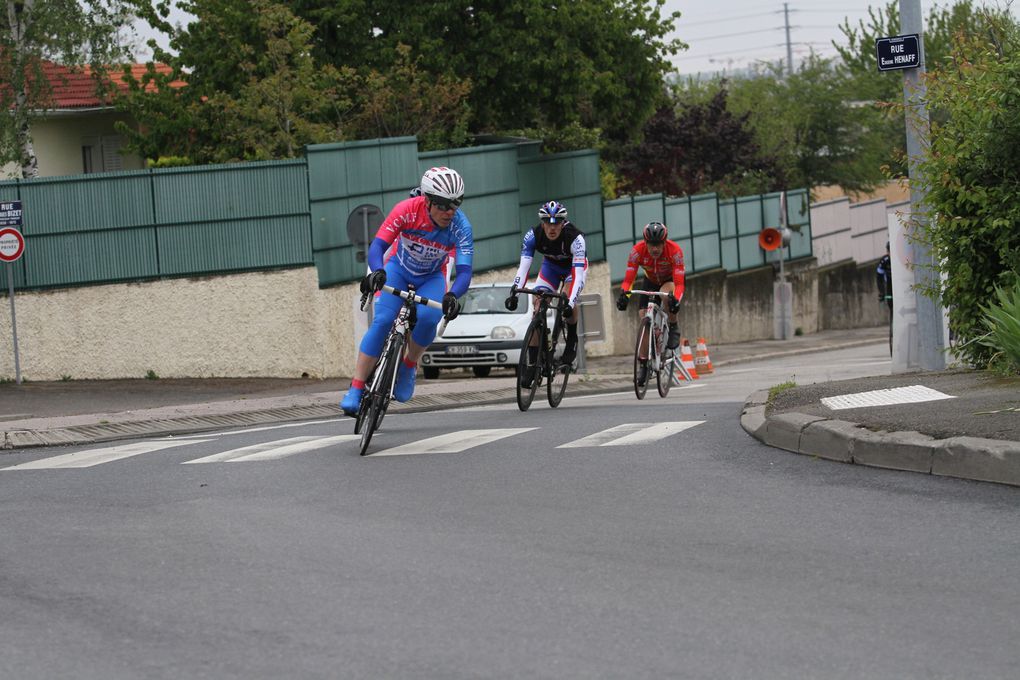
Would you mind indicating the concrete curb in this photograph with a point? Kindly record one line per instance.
(985, 460)
(104, 432)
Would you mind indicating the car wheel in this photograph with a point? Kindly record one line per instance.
(431, 372)
(482, 371)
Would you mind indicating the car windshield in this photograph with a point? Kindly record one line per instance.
(489, 301)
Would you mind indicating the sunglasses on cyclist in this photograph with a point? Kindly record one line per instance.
(445, 204)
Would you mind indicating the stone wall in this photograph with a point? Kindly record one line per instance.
(279, 323)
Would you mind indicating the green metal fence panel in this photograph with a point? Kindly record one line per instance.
(88, 228)
(571, 178)
(619, 220)
(647, 209)
(678, 218)
(230, 192)
(232, 217)
(110, 200)
(90, 257)
(342, 177)
(234, 245)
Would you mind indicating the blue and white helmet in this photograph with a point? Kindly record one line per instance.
(444, 184)
(553, 212)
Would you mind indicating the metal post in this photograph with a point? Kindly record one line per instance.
(789, 45)
(930, 322)
(14, 322)
(581, 363)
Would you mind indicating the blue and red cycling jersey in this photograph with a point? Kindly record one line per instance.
(423, 248)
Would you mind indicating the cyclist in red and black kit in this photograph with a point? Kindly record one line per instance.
(663, 262)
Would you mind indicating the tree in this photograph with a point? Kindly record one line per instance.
(251, 89)
(972, 201)
(698, 147)
(864, 81)
(811, 123)
(74, 33)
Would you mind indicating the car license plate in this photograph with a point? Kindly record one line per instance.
(462, 349)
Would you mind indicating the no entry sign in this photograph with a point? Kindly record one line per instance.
(12, 244)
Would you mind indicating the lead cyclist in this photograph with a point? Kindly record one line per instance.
(426, 228)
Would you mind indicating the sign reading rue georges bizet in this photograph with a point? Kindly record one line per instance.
(900, 51)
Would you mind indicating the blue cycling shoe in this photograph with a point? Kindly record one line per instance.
(403, 390)
(352, 401)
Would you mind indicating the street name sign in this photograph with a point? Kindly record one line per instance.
(900, 51)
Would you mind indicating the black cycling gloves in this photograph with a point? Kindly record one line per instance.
(373, 282)
(621, 302)
(451, 307)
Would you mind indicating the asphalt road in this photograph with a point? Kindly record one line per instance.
(607, 538)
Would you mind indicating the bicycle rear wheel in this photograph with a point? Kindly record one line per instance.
(529, 370)
(664, 376)
(641, 386)
(559, 373)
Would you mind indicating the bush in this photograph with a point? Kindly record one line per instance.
(973, 180)
(1003, 323)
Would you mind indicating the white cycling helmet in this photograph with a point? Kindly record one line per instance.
(444, 184)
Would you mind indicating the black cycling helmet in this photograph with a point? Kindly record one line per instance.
(655, 233)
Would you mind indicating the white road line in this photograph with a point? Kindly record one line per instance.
(632, 433)
(454, 442)
(84, 459)
(275, 449)
(260, 429)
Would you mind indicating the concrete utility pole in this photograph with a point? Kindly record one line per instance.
(930, 322)
(789, 45)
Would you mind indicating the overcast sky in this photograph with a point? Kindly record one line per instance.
(734, 34)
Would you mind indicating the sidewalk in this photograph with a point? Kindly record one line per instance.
(955, 441)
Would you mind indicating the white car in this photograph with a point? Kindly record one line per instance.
(484, 335)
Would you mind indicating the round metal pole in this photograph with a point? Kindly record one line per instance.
(14, 321)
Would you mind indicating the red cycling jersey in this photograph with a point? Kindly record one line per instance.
(659, 270)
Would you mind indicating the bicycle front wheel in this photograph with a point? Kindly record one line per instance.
(394, 354)
(641, 366)
(370, 406)
(529, 366)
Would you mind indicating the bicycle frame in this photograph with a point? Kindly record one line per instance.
(379, 387)
(657, 358)
(546, 365)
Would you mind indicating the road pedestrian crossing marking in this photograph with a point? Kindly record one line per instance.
(84, 459)
(455, 442)
(627, 434)
(632, 433)
(274, 450)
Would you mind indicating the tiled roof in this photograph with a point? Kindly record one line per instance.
(75, 89)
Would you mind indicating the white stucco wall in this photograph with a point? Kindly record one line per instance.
(269, 324)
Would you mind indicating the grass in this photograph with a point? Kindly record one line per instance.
(151, 375)
(776, 390)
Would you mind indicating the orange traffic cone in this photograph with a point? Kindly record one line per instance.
(687, 359)
(701, 358)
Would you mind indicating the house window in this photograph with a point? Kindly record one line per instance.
(102, 154)
(86, 159)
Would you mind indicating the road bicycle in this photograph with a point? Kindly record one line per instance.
(534, 367)
(379, 386)
(659, 359)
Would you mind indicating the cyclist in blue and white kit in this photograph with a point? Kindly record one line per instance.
(427, 227)
(566, 260)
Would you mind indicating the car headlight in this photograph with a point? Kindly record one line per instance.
(502, 333)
